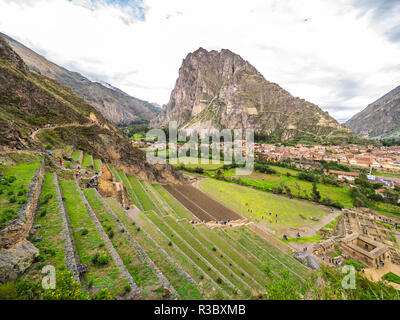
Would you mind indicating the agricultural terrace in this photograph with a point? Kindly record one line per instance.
(87, 160)
(299, 188)
(185, 288)
(51, 247)
(14, 185)
(245, 267)
(206, 164)
(76, 155)
(254, 204)
(114, 173)
(102, 271)
(97, 165)
(144, 276)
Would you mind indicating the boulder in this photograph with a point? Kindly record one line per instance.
(16, 260)
(307, 260)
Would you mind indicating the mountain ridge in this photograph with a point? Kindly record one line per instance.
(380, 119)
(29, 100)
(116, 105)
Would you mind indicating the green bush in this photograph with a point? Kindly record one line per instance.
(46, 199)
(43, 212)
(100, 260)
(12, 199)
(11, 179)
(10, 193)
(84, 232)
(23, 200)
(128, 288)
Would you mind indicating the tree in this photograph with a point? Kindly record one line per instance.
(316, 195)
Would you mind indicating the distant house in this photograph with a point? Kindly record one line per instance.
(344, 175)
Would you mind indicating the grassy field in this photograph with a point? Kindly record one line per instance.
(87, 160)
(192, 163)
(14, 186)
(186, 289)
(97, 165)
(299, 188)
(52, 246)
(89, 243)
(291, 213)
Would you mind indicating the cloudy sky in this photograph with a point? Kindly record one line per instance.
(339, 54)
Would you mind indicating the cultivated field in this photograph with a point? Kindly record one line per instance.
(201, 205)
(254, 204)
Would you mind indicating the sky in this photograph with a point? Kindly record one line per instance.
(339, 54)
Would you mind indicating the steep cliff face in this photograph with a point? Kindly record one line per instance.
(222, 90)
(380, 119)
(114, 104)
(29, 99)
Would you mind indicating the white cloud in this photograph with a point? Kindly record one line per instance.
(340, 58)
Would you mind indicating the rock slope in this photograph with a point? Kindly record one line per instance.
(380, 119)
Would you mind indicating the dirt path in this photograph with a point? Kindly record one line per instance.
(62, 126)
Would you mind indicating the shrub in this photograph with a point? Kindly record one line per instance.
(11, 179)
(46, 199)
(111, 234)
(84, 232)
(66, 289)
(170, 243)
(10, 193)
(12, 199)
(128, 288)
(23, 200)
(43, 212)
(219, 280)
(100, 260)
(21, 192)
(103, 294)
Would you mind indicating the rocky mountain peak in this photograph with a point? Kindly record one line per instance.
(219, 89)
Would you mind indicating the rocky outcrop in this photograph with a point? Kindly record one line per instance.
(114, 190)
(218, 90)
(16, 260)
(380, 119)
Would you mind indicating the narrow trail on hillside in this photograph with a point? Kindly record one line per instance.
(63, 126)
